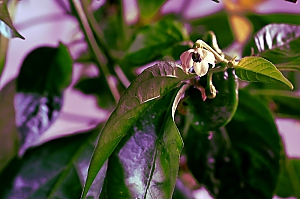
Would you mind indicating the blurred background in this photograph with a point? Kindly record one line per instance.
(46, 23)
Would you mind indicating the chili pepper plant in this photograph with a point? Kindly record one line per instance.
(201, 115)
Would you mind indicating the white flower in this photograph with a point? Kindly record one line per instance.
(198, 60)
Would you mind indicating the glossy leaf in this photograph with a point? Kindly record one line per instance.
(289, 179)
(257, 69)
(152, 41)
(44, 74)
(278, 42)
(8, 128)
(149, 8)
(145, 163)
(56, 169)
(240, 160)
(145, 90)
(7, 28)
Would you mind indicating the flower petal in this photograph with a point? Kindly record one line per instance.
(186, 59)
(201, 68)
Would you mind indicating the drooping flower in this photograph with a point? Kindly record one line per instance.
(197, 60)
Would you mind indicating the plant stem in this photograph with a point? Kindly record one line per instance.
(93, 44)
(200, 43)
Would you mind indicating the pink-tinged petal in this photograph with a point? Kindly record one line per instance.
(186, 59)
(201, 68)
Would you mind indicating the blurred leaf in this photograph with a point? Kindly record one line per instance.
(34, 115)
(241, 34)
(151, 41)
(222, 29)
(283, 103)
(278, 42)
(56, 169)
(289, 179)
(290, 66)
(8, 128)
(145, 164)
(94, 86)
(182, 192)
(144, 91)
(257, 69)
(7, 28)
(241, 160)
(44, 74)
(46, 70)
(149, 8)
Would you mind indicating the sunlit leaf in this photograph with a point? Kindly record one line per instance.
(289, 179)
(44, 74)
(145, 90)
(145, 163)
(278, 43)
(257, 69)
(56, 169)
(149, 8)
(240, 160)
(7, 28)
(8, 128)
(152, 41)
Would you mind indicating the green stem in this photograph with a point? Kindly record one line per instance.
(200, 43)
(93, 44)
(97, 30)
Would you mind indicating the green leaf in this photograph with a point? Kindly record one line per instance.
(46, 70)
(152, 41)
(278, 42)
(8, 128)
(222, 29)
(7, 28)
(145, 90)
(145, 164)
(44, 74)
(289, 179)
(149, 8)
(290, 66)
(284, 103)
(240, 160)
(257, 69)
(56, 169)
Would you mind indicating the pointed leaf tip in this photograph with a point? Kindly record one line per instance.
(258, 69)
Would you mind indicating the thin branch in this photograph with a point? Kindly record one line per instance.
(93, 44)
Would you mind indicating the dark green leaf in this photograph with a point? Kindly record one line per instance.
(44, 74)
(145, 90)
(284, 103)
(241, 160)
(278, 43)
(56, 169)
(257, 69)
(218, 23)
(145, 163)
(94, 86)
(290, 66)
(152, 41)
(8, 128)
(46, 70)
(149, 8)
(289, 179)
(6, 26)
